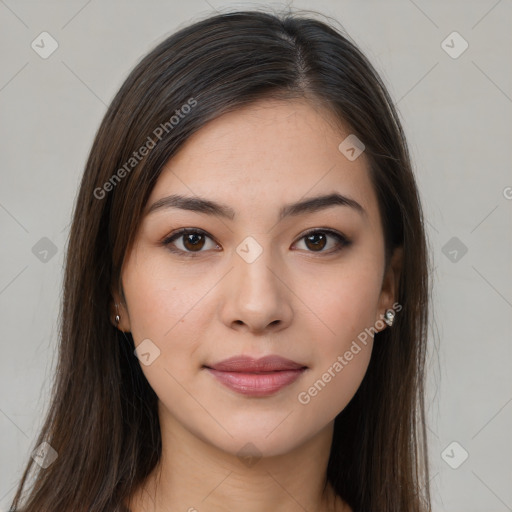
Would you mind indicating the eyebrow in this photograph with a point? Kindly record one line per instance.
(206, 206)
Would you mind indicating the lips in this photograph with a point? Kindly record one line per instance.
(256, 377)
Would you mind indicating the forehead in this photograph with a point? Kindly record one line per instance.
(268, 153)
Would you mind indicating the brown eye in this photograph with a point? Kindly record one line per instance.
(318, 240)
(188, 242)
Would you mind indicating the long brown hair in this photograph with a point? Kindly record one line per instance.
(102, 420)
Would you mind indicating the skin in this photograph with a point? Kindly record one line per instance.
(297, 300)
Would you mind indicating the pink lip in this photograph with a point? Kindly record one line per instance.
(256, 377)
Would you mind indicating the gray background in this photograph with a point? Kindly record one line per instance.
(457, 115)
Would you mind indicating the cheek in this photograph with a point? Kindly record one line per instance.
(347, 305)
(346, 301)
(171, 309)
(329, 389)
(160, 298)
(168, 311)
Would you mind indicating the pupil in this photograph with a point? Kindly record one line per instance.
(310, 238)
(192, 239)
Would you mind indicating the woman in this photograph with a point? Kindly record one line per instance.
(245, 307)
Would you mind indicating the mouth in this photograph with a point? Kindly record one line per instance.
(256, 377)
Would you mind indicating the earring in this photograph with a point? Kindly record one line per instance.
(389, 317)
(117, 317)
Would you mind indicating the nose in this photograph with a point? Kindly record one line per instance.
(256, 296)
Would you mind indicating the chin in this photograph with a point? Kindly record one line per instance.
(257, 439)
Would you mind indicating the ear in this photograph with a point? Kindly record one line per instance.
(390, 283)
(121, 310)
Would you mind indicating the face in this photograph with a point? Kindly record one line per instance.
(254, 277)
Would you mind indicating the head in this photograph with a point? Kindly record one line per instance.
(291, 112)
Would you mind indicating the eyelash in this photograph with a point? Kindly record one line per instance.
(342, 240)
